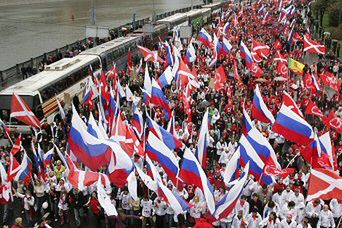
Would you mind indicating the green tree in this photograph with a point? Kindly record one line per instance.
(335, 14)
(320, 7)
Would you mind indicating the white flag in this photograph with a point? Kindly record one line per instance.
(104, 200)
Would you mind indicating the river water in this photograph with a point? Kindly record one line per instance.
(28, 28)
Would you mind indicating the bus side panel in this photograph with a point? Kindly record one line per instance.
(50, 107)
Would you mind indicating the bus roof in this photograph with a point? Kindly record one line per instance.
(52, 73)
(213, 6)
(173, 18)
(193, 12)
(103, 48)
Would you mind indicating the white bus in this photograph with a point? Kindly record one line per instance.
(63, 79)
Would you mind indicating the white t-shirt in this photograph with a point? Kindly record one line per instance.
(146, 206)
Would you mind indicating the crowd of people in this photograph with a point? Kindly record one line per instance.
(51, 200)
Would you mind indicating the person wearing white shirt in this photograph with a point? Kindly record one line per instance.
(312, 211)
(271, 221)
(270, 207)
(198, 192)
(326, 218)
(288, 222)
(238, 220)
(220, 147)
(287, 194)
(278, 197)
(249, 189)
(288, 208)
(28, 204)
(242, 205)
(224, 158)
(160, 210)
(126, 202)
(146, 211)
(336, 209)
(298, 199)
(197, 208)
(254, 219)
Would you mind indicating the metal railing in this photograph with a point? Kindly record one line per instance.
(14, 74)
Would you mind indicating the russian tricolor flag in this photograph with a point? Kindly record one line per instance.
(232, 168)
(137, 122)
(226, 46)
(247, 122)
(227, 204)
(25, 170)
(120, 165)
(191, 172)
(158, 98)
(48, 157)
(259, 108)
(91, 151)
(178, 204)
(249, 154)
(226, 28)
(246, 54)
(292, 126)
(159, 152)
(169, 140)
(166, 78)
(204, 37)
(169, 57)
(191, 53)
(262, 147)
(203, 140)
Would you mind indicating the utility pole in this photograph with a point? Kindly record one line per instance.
(92, 13)
(192, 4)
(154, 13)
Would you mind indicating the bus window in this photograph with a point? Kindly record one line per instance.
(5, 114)
(37, 107)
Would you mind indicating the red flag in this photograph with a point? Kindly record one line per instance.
(283, 70)
(112, 73)
(21, 111)
(256, 70)
(297, 37)
(290, 103)
(280, 58)
(105, 94)
(324, 184)
(220, 78)
(312, 46)
(278, 45)
(129, 62)
(310, 83)
(261, 49)
(334, 122)
(331, 80)
(185, 74)
(273, 171)
(17, 146)
(149, 56)
(312, 109)
(13, 168)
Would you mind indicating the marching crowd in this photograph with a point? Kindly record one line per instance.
(51, 200)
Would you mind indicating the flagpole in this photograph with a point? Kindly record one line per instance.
(292, 160)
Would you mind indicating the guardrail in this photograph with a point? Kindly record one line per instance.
(31, 67)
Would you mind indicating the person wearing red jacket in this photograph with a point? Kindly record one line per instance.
(95, 207)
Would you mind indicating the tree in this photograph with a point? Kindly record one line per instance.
(320, 7)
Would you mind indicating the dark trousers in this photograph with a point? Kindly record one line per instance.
(160, 221)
